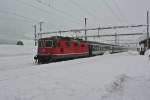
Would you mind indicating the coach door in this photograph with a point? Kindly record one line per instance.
(90, 50)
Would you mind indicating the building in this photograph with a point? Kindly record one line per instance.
(144, 43)
(144, 46)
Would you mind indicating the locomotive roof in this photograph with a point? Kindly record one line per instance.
(61, 37)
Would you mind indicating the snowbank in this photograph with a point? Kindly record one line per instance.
(147, 53)
(16, 50)
(128, 88)
(107, 53)
(133, 52)
(122, 76)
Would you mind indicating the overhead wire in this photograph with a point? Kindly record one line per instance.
(30, 20)
(58, 10)
(83, 9)
(15, 19)
(119, 9)
(46, 12)
(25, 18)
(112, 11)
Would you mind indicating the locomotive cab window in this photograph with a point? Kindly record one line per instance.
(49, 43)
(41, 43)
(54, 43)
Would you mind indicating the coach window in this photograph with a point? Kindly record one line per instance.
(97, 48)
(94, 48)
(102, 48)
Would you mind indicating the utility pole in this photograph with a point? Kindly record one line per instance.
(85, 29)
(147, 29)
(116, 39)
(76, 33)
(60, 33)
(40, 23)
(35, 36)
(118, 43)
(99, 34)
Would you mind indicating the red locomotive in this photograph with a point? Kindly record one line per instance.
(59, 48)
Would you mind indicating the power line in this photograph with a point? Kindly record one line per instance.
(33, 6)
(99, 28)
(43, 10)
(18, 15)
(58, 10)
(83, 9)
(16, 19)
(110, 35)
(25, 19)
(119, 9)
(111, 10)
(129, 40)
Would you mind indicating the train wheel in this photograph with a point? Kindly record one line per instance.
(39, 61)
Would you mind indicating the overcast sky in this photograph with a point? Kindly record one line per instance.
(17, 17)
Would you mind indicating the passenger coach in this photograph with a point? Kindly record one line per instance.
(56, 48)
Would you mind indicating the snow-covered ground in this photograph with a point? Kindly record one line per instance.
(122, 76)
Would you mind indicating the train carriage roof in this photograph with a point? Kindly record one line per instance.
(93, 42)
